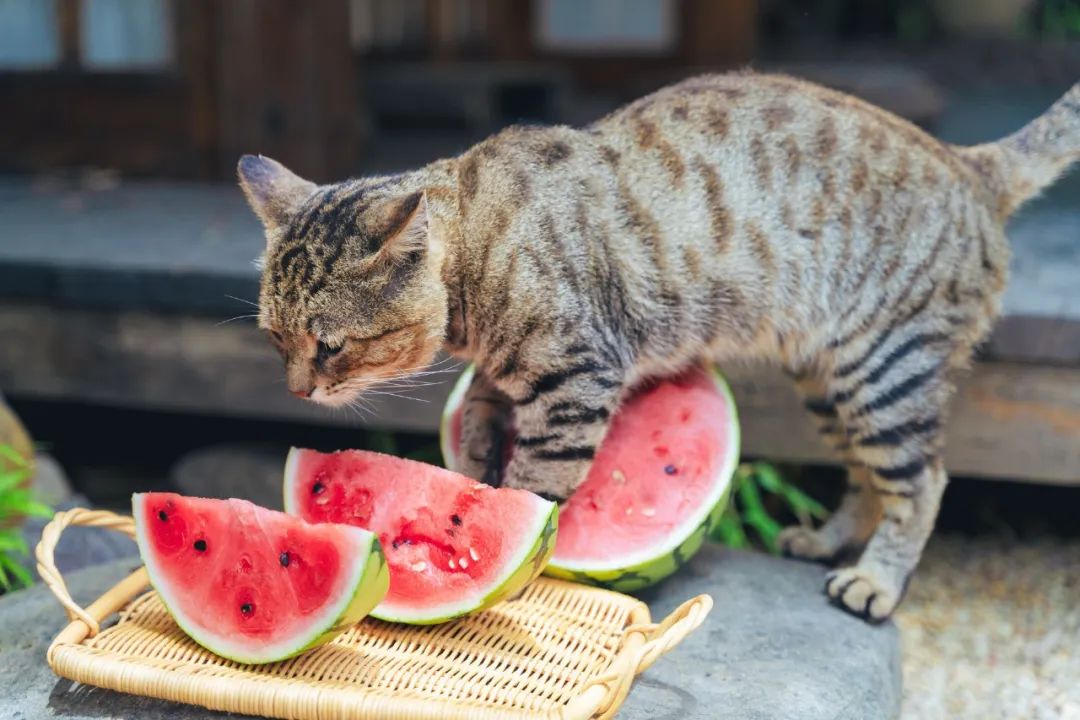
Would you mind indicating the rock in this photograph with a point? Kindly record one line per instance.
(29, 620)
(79, 547)
(771, 649)
(249, 471)
(50, 482)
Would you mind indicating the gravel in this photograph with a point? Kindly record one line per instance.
(991, 629)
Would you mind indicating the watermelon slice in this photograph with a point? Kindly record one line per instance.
(454, 546)
(251, 584)
(660, 481)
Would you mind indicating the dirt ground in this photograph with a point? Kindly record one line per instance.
(991, 629)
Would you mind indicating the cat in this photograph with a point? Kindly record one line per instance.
(727, 217)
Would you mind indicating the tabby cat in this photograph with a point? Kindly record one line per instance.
(732, 216)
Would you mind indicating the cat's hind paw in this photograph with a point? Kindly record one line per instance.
(803, 543)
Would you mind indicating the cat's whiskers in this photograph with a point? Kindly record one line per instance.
(393, 394)
(246, 316)
(246, 302)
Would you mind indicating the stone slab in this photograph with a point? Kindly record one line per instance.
(772, 648)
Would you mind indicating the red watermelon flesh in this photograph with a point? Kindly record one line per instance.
(657, 467)
(453, 545)
(253, 584)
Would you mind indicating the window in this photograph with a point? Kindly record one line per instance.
(603, 26)
(126, 34)
(29, 36)
(92, 35)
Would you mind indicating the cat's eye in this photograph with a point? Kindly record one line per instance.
(324, 351)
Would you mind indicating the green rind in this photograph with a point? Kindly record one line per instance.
(370, 588)
(531, 568)
(652, 571)
(455, 399)
(369, 593)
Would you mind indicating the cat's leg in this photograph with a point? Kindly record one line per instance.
(561, 416)
(486, 416)
(845, 533)
(893, 408)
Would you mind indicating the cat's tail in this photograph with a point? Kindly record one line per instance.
(1020, 166)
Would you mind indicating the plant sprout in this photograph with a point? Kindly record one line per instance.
(16, 503)
(747, 510)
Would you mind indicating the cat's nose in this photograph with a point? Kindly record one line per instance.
(303, 392)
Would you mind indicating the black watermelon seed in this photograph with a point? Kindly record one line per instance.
(162, 515)
(284, 559)
(200, 545)
(671, 470)
(396, 544)
(456, 519)
(317, 488)
(246, 609)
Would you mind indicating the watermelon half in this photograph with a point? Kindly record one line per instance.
(659, 482)
(454, 546)
(251, 584)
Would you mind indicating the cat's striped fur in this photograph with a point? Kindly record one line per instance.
(733, 216)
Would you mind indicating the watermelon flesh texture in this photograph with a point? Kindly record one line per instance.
(454, 546)
(658, 484)
(252, 584)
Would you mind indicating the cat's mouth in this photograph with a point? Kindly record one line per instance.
(342, 394)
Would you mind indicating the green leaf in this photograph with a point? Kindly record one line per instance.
(10, 454)
(800, 502)
(729, 531)
(10, 569)
(11, 480)
(768, 477)
(13, 542)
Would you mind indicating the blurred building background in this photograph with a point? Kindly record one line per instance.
(180, 88)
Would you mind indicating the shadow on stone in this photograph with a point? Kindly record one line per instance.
(71, 699)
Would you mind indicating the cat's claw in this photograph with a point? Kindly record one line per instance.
(861, 594)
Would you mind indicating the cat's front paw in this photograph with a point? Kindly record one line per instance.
(862, 593)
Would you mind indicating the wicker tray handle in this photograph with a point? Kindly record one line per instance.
(652, 641)
(46, 548)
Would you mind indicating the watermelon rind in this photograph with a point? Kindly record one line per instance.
(457, 397)
(519, 571)
(369, 580)
(650, 565)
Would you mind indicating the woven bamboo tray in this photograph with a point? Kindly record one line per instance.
(559, 651)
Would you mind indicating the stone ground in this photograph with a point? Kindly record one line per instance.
(990, 630)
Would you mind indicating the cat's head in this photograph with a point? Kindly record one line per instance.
(351, 293)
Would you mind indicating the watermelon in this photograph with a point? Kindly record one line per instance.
(454, 546)
(659, 483)
(251, 584)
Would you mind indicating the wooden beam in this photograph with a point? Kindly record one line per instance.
(1009, 420)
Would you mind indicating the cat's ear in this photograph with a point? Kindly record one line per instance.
(274, 192)
(409, 232)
